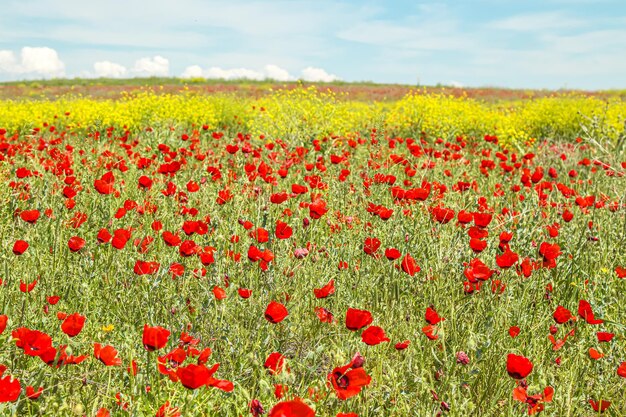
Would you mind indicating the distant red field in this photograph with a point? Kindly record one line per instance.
(112, 89)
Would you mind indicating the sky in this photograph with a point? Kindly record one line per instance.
(475, 43)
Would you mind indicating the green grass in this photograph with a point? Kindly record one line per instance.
(99, 281)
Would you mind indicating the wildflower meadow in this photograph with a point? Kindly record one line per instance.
(308, 253)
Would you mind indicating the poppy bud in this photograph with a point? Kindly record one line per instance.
(357, 361)
(462, 358)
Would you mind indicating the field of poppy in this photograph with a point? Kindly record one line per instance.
(304, 254)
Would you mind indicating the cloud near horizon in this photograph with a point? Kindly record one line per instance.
(39, 61)
(45, 62)
(270, 72)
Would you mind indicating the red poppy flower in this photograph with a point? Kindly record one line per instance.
(53, 299)
(621, 370)
(30, 216)
(442, 215)
(280, 390)
(254, 253)
(261, 235)
(19, 247)
(188, 248)
(298, 189)
(33, 394)
(10, 389)
(154, 338)
(507, 259)
(244, 292)
(595, 354)
(275, 363)
(409, 265)
(349, 380)
(464, 217)
(326, 290)
(357, 319)
(3, 324)
(107, 354)
(144, 183)
(402, 345)
(526, 267)
(76, 243)
(146, 268)
(371, 245)
(104, 236)
(73, 324)
(374, 335)
(568, 216)
(478, 233)
(219, 293)
(324, 315)
(104, 185)
(549, 253)
(514, 331)
(120, 238)
(275, 312)
(176, 270)
(279, 198)
(24, 287)
(432, 317)
(518, 367)
(283, 230)
(585, 311)
(477, 271)
(168, 364)
(620, 271)
(599, 406)
(430, 332)
(166, 410)
(63, 357)
(293, 408)
(392, 254)
(32, 342)
(170, 238)
(103, 412)
(477, 245)
(605, 336)
(194, 376)
(535, 402)
(562, 315)
(317, 209)
(482, 219)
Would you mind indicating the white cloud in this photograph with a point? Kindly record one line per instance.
(33, 61)
(233, 74)
(194, 71)
(277, 73)
(317, 74)
(269, 72)
(455, 84)
(153, 67)
(7, 61)
(109, 69)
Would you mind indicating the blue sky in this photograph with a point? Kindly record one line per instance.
(522, 44)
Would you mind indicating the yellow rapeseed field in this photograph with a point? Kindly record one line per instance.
(306, 113)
